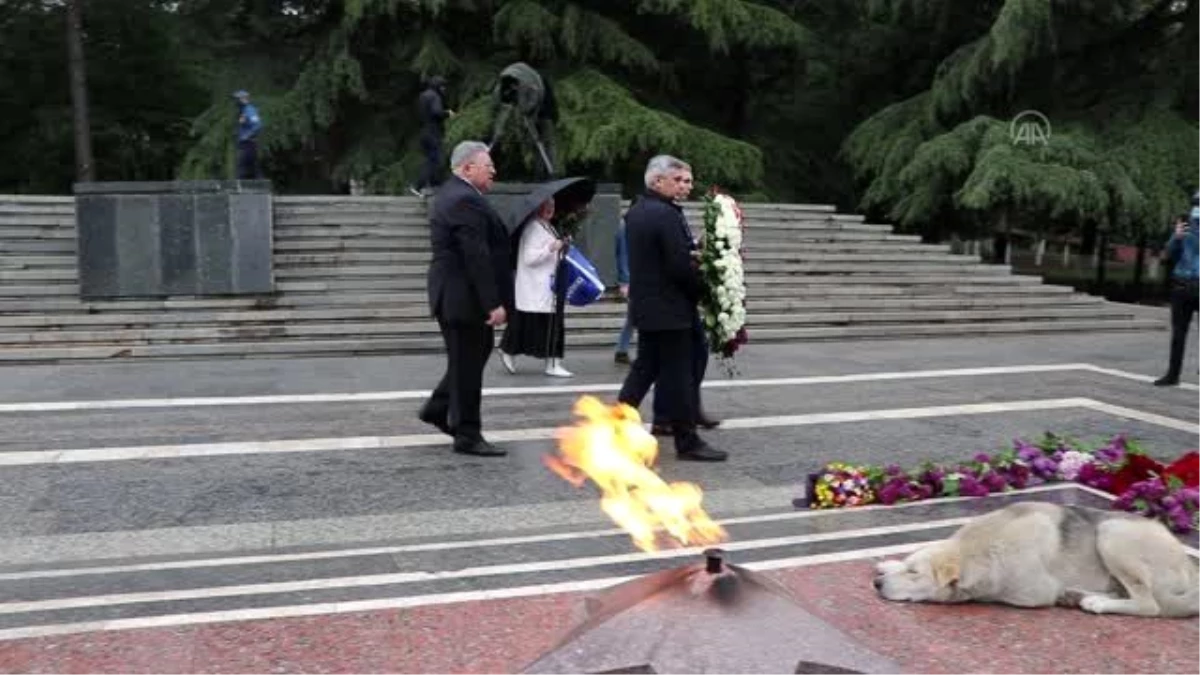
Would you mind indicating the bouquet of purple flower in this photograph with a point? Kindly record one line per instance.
(1153, 498)
(1117, 466)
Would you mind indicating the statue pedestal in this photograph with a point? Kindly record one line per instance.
(174, 238)
(596, 238)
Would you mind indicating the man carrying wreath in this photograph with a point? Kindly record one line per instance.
(664, 291)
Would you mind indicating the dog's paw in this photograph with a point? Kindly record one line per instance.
(1096, 604)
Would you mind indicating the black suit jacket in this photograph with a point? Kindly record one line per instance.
(469, 274)
(664, 285)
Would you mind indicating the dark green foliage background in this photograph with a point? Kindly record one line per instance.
(899, 108)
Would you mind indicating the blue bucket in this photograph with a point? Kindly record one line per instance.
(583, 281)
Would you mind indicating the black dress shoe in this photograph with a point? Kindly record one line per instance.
(706, 422)
(661, 429)
(439, 423)
(1166, 381)
(479, 448)
(621, 358)
(701, 452)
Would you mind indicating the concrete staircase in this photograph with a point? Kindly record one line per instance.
(350, 277)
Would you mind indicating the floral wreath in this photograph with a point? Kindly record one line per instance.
(723, 300)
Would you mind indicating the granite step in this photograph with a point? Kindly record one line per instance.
(56, 246)
(132, 314)
(767, 257)
(31, 261)
(333, 305)
(416, 327)
(63, 290)
(414, 276)
(433, 343)
(843, 243)
(24, 232)
(767, 270)
(967, 266)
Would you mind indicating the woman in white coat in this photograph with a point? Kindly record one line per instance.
(536, 329)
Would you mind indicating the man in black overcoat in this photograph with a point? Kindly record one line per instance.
(664, 291)
(470, 294)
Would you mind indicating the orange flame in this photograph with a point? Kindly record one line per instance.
(610, 447)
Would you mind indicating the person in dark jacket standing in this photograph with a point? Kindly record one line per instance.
(1184, 249)
(431, 107)
(248, 126)
(664, 290)
(470, 294)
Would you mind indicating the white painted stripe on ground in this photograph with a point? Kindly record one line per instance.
(1133, 376)
(1152, 418)
(194, 450)
(365, 581)
(483, 543)
(419, 394)
(264, 613)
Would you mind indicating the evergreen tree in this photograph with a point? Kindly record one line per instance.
(1115, 79)
(614, 66)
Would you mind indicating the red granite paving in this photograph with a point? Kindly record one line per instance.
(505, 635)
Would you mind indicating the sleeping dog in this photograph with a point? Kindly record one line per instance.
(1036, 554)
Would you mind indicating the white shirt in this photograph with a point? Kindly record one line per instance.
(536, 261)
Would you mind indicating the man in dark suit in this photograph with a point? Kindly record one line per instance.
(664, 290)
(470, 294)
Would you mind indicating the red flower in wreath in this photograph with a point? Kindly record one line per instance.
(1186, 469)
(1137, 468)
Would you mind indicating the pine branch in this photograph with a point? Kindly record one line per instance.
(590, 37)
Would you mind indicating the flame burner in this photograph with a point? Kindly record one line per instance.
(714, 561)
(708, 616)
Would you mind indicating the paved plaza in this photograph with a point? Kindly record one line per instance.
(294, 516)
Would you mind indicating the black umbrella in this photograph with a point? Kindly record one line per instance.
(707, 617)
(570, 194)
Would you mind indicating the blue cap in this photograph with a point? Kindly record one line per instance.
(240, 93)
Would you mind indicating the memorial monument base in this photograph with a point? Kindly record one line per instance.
(198, 238)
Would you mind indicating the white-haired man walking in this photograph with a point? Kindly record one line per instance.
(470, 293)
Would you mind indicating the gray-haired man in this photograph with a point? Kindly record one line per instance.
(664, 290)
(470, 293)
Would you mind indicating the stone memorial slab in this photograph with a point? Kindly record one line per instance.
(160, 239)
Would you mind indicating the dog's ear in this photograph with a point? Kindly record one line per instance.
(945, 571)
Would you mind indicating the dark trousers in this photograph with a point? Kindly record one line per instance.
(1184, 304)
(665, 361)
(431, 146)
(699, 368)
(457, 397)
(247, 160)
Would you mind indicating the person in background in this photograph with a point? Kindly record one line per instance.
(1184, 249)
(664, 292)
(537, 327)
(433, 112)
(1165, 258)
(470, 294)
(248, 127)
(622, 246)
